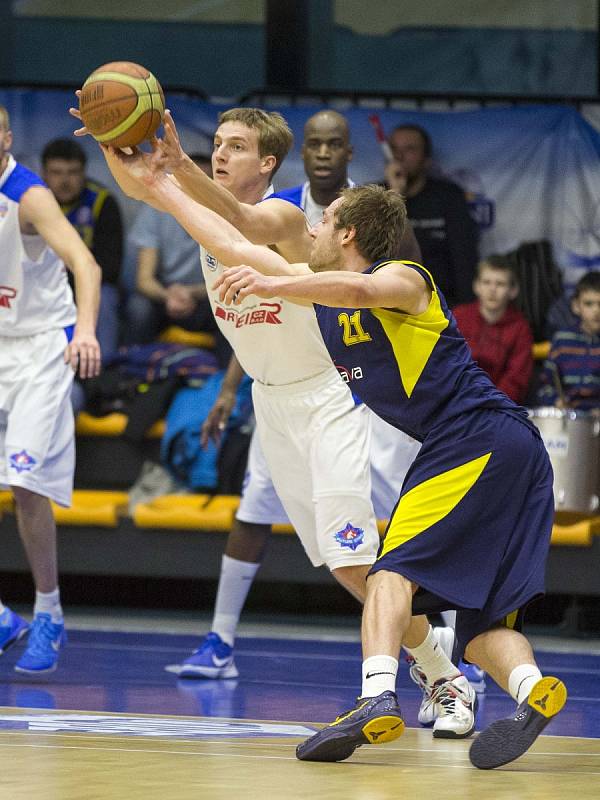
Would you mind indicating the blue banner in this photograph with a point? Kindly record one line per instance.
(530, 172)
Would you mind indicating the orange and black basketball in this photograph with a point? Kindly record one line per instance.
(121, 104)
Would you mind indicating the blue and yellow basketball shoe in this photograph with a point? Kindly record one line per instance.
(507, 739)
(12, 628)
(45, 640)
(213, 659)
(374, 720)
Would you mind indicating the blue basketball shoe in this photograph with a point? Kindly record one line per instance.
(12, 628)
(474, 675)
(374, 720)
(213, 659)
(45, 640)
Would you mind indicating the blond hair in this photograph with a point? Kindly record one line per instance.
(274, 135)
(4, 119)
(378, 216)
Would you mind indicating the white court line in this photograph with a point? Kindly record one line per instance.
(402, 765)
(241, 741)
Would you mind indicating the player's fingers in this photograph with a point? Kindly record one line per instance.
(95, 362)
(75, 112)
(84, 361)
(67, 354)
(74, 358)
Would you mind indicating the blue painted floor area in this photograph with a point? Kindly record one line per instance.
(280, 679)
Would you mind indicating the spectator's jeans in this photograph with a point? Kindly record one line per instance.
(146, 318)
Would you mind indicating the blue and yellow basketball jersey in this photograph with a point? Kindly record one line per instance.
(416, 372)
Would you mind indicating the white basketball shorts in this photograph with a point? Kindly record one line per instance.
(315, 442)
(37, 447)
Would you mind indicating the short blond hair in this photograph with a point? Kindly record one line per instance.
(378, 216)
(4, 118)
(274, 135)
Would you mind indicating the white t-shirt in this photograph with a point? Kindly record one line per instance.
(35, 295)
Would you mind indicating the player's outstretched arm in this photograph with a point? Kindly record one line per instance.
(394, 287)
(273, 222)
(39, 209)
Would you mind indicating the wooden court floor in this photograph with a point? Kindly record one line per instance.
(104, 766)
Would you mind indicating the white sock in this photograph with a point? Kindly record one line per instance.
(449, 618)
(235, 581)
(2, 608)
(49, 603)
(432, 660)
(379, 675)
(522, 680)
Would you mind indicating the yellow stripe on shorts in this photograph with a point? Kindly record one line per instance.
(430, 501)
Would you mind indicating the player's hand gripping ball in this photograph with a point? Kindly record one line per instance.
(121, 104)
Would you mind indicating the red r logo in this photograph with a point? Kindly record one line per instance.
(7, 293)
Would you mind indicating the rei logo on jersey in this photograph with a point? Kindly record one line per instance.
(350, 536)
(7, 293)
(22, 461)
(265, 313)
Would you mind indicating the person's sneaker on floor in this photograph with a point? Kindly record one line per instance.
(507, 739)
(456, 703)
(427, 710)
(474, 675)
(45, 640)
(12, 628)
(374, 720)
(213, 659)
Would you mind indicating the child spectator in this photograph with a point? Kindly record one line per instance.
(498, 335)
(571, 374)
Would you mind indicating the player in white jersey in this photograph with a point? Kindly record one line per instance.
(326, 152)
(314, 436)
(44, 339)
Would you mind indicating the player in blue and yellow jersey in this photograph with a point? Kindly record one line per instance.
(472, 526)
(471, 529)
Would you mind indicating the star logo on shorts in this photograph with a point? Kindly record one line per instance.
(350, 536)
(22, 461)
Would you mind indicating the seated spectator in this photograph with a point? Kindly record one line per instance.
(438, 211)
(498, 335)
(571, 374)
(560, 316)
(170, 288)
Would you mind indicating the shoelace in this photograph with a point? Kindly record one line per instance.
(417, 675)
(446, 693)
(41, 634)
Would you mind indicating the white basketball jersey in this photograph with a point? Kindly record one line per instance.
(35, 295)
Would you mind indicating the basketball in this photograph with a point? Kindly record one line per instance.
(121, 104)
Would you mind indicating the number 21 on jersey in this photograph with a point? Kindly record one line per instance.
(353, 330)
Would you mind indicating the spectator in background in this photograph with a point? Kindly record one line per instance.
(498, 335)
(439, 213)
(560, 315)
(170, 288)
(95, 214)
(571, 374)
